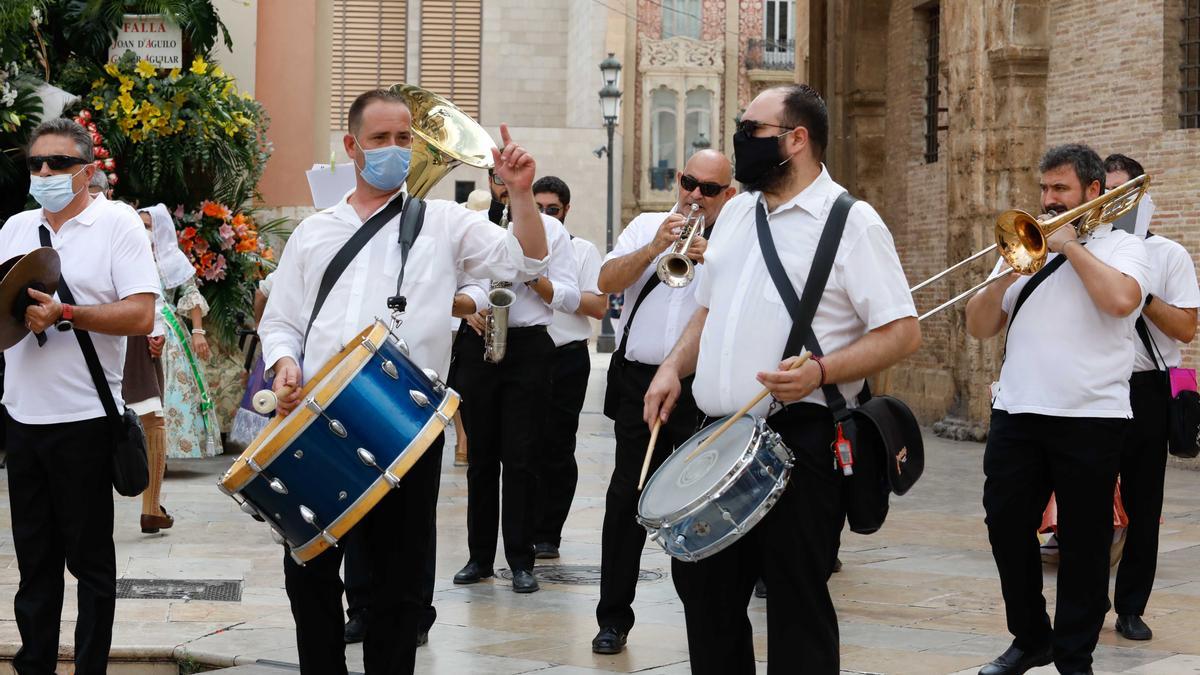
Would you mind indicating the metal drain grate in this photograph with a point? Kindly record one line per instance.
(575, 575)
(179, 589)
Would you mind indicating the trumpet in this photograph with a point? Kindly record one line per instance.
(675, 268)
(1021, 238)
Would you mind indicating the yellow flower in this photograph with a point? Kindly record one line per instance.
(97, 83)
(145, 69)
(111, 69)
(217, 72)
(150, 88)
(126, 102)
(173, 75)
(126, 83)
(98, 103)
(199, 67)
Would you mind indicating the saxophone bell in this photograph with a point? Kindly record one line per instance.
(495, 334)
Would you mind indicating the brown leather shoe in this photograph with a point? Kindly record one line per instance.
(152, 524)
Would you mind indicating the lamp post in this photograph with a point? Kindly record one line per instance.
(610, 104)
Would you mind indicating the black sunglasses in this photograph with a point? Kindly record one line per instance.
(748, 127)
(550, 210)
(56, 162)
(707, 189)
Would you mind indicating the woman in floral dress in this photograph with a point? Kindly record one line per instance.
(188, 410)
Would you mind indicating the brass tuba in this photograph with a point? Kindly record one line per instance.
(443, 137)
(1021, 238)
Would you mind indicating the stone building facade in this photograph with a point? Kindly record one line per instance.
(941, 111)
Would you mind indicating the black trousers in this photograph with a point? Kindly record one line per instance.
(398, 549)
(504, 419)
(1143, 470)
(61, 499)
(792, 548)
(356, 575)
(557, 472)
(622, 538)
(1027, 457)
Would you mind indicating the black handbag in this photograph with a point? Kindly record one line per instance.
(888, 451)
(1183, 409)
(130, 470)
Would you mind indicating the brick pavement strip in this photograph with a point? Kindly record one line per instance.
(921, 596)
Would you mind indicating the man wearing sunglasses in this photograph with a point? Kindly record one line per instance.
(865, 321)
(557, 472)
(652, 321)
(59, 460)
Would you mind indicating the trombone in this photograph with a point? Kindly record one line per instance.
(1021, 238)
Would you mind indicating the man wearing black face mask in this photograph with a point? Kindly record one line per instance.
(864, 323)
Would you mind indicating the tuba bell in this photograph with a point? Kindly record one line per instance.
(443, 137)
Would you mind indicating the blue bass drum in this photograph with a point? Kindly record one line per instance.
(364, 420)
(695, 508)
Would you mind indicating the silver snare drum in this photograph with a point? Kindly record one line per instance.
(696, 508)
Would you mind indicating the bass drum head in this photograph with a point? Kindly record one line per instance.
(679, 484)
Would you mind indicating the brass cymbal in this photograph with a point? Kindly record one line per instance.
(39, 266)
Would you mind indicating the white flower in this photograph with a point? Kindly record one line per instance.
(8, 95)
(37, 15)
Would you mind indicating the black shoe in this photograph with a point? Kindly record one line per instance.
(1015, 661)
(608, 641)
(356, 628)
(422, 638)
(760, 589)
(837, 565)
(545, 551)
(524, 582)
(471, 573)
(1131, 627)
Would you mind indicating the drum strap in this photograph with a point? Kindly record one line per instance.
(348, 251)
(803, 309)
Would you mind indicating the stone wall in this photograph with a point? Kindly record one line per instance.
(524, 62)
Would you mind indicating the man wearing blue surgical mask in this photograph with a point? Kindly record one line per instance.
(399, 531)
(58, 438)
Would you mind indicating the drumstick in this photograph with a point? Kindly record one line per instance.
(649, 452)
(800, 360)
(266, 401)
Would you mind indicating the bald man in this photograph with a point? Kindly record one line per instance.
(653, 320)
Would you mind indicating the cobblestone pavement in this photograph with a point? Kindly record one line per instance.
(921, 596)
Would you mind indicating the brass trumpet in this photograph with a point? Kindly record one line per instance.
(675, 268)
(1021, 238)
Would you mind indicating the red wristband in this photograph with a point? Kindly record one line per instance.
(820, 365)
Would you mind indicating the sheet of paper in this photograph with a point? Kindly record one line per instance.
(329, 186)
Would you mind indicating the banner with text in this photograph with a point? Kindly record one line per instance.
(152, 37)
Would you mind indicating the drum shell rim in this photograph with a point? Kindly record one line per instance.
(732, 535)
(433, 426)
(352, 372)
(726, 479)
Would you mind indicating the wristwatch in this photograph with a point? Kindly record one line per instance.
(66, 321)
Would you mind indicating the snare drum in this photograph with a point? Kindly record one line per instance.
(696, 508)
(364, 420)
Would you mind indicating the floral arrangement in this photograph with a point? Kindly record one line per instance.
(189, 133)
(104, 159)
(227, 250)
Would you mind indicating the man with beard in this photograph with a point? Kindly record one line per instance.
(653, 323)
(865, 322)
(1059, 414)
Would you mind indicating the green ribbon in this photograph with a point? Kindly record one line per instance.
(205, 402)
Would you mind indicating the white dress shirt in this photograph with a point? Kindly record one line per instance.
(105, 257)
(1172, 280)
(665, 312)
(529, 309)
(451, 235)
(1064, 357)
(748, 324)
(570, 327)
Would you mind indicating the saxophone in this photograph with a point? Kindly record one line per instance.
(495, 330)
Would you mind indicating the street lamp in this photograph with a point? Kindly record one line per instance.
(610, 106)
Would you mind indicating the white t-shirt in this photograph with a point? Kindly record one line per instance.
(105, 257)
(1064, 357)
(1172, 280)
(748, 324)
(665, 311)
(572, 326)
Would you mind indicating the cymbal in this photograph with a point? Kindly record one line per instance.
(41, 265)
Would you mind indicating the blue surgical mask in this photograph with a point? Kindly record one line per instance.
(387, 167)
(53, 192)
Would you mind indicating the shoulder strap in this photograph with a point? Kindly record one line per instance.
(1143, 332)
(651, 284)
(410, 228)
(803, 309)
(85, 344)
(341, 260)
(1034, 282)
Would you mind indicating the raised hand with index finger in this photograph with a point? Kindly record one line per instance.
(514, 164)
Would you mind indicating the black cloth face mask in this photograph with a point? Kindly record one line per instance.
(758, 162)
